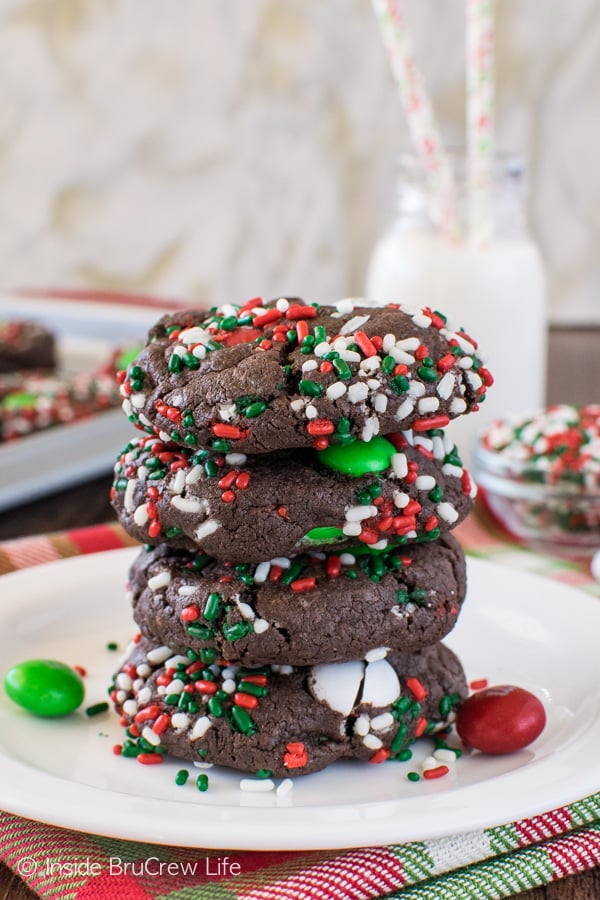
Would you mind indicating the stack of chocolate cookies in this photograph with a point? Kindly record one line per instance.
(295, 494)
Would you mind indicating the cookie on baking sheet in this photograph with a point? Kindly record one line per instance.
(285, 374)
(26, 345)
(397, 489)
(303, 610)
(283, 720)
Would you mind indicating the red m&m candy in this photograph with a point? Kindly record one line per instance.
(500, 719)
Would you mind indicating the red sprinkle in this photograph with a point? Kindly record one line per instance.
(254, 679)
(416, 688)
(301, 330)
(333, 566)
(80, 671)
(445, 363)
(326, 366)
(282, 511)
(117, 749)
(465, 482)
(318, 427)
(243, 480)
(422, 352)
(365, 344)
(432, 422)
(267, 318)
(149, 759)
(380, 755)
(320, 443)
(228, 496)
(295, 756)
(222, 430)
(301, 312)
(161, 724)
(250, 304)
(228, 480)
(303, 584)
(205, 687)
(190, 614)
(275, 573)
(420, 726)
(154, 528)
(479, 684)
(247, 701)
(438, 772)
(149, 712)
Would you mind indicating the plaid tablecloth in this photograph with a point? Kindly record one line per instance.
(492, 863)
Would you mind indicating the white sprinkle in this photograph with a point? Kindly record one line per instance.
(235, 459)
(178, 482)
(358, 392)
(130, 707)
(194, 475)
(457, 406)
(138, 400)
(228, 309)
(311, 411)
(175, 661)
(425, 482)
(121, 696)
(180, 720)
(175, 687)
(345, 307)
(138, 684)
(370, 428)
(449, 469)
(389, 340)
(424, 442)
(373, 384)
(187, 504)
(428, 405)
(140, 516)
(321, 349)
(158, 655)
(401, 356)
(352, 529)
(350, 356)
(310, 365)
(246, 611)
(377, 653)
(282, 305)
(127, 407)
(380, 402)
(379, 545)
(124, 681)
(260, 626)
(200, 728)
(404, 410)
(446, 385)
(362, 725)
(186, 590)
(382, 722)
(195, 335)
(144, 670)
(151, 736)
(199, 351)
(128, 501)
(283, 669)
(444, 755)
(399, 465)
(447, 512)
(206, 528)
(371, 363)
(416, 389)
(430, 762)
(474, 380)
(203, 765)
(437, 447)
(372, 742)
(229, 671)
(347, 559)
(421, 321)
(227, 411)
(282, 561)
(284, 787)
(164, 436)
(297, 405)
(358, 513)
(229, 686)
(257, 785)
(339, 344)
(336, 390)
(354, 324)
(261, 573)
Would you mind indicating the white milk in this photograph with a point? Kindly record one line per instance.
(498, 295)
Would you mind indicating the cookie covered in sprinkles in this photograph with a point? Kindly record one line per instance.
(319, 607)
(288, 721)
(405, 487)
(277, 375)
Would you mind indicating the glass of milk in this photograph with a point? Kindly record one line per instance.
(497, 293)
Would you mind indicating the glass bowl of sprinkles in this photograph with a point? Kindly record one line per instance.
(539, 476)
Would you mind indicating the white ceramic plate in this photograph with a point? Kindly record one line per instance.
(66, 455)
(515, 628)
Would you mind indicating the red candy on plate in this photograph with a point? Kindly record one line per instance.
(500, 719)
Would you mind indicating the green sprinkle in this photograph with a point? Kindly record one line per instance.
(182, 776)
(404, 755)
(427, 373)
(341, 369)
(221, 445)
(213, 607)
(172, 532)
(255, 409)
(208, 655)
(388, 364)
(215, 707)
(242, 720)
(248, 687)
(310, 388)
(112, 645)
(202, 783)
(436, 494)
(400, 738)
(96, 709)
(235, 632)
(202, 632)
(175, 364)
(263, 773)
(400, 384)
(413, 776)
(229, 323)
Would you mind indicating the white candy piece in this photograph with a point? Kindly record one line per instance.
(337, 684)
(381, 686)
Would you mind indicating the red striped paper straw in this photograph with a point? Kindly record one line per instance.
(422, 126)
(480, 119)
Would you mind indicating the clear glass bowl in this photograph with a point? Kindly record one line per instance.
(539, 476)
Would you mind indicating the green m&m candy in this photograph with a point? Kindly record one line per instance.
(44, 687)
(358, 458)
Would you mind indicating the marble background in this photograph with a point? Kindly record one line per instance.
(217, 149)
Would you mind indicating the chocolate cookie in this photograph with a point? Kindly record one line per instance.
(300, 611)
(285, 374)
(280, 719)
(397, 489)
(26, 345)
